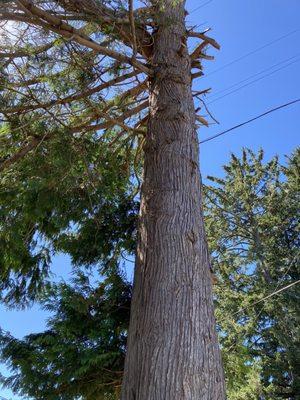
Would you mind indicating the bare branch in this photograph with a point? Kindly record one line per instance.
(110, 122)
(26, 53)
(55, 24)
(197, 52)
(205, 38)
(132, 25)
(202, 120)
(72, 98)
(119, 23)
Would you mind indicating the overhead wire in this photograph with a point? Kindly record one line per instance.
(276, 292)
(251, 52)
(290, 265)
(254, 75)
(248, 121)
(262, 300)
(252, 82)
(201, 5)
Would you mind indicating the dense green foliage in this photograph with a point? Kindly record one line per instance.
(82, 351)
(253, 230)
(77, 201)
(252, 222)
(73, 108)
(66, 163)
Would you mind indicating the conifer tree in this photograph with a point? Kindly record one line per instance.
(88, 328)
(252, 220)
(81, 354)
(104, 76)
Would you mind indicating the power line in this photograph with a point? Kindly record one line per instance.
(253, 76)
(289, 267)
(249, 120)
(254, 81)
(202, 5)
(251, 52)
(276, 292)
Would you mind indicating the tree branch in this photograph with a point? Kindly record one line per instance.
(55, 24)
(72, 98)
(119, 23)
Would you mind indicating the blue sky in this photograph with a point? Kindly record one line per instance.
(240, 26)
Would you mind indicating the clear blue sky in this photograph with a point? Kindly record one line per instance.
(240, 26)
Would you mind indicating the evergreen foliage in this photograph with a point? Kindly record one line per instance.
(252, 219)
(252, 222)
(68, 147)
(78, 200)
(81, 354)
(75, 80)
(74, 106)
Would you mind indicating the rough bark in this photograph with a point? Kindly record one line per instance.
(172, 347)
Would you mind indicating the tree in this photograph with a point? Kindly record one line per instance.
(53, 76)
(81, 354)
(252, 219)
(260, 359)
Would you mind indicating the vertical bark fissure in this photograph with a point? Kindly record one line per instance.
(172, 348)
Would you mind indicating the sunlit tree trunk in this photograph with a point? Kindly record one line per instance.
(173, 352)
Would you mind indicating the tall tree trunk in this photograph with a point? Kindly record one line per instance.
(172, 352)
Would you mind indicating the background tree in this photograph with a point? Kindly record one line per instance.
(252, 219)
(60, 57)
(261, 355)
(81, 354)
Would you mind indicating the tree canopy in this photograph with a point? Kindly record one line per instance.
(74, 108)
(252, 222)
(253, 230)
(75, 82)
(81, 354)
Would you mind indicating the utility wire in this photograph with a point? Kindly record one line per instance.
(268, 297)
(251, 52)
(249, 120)
(201, 5)
(251, 82)
(289, 267)
(253, 76)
